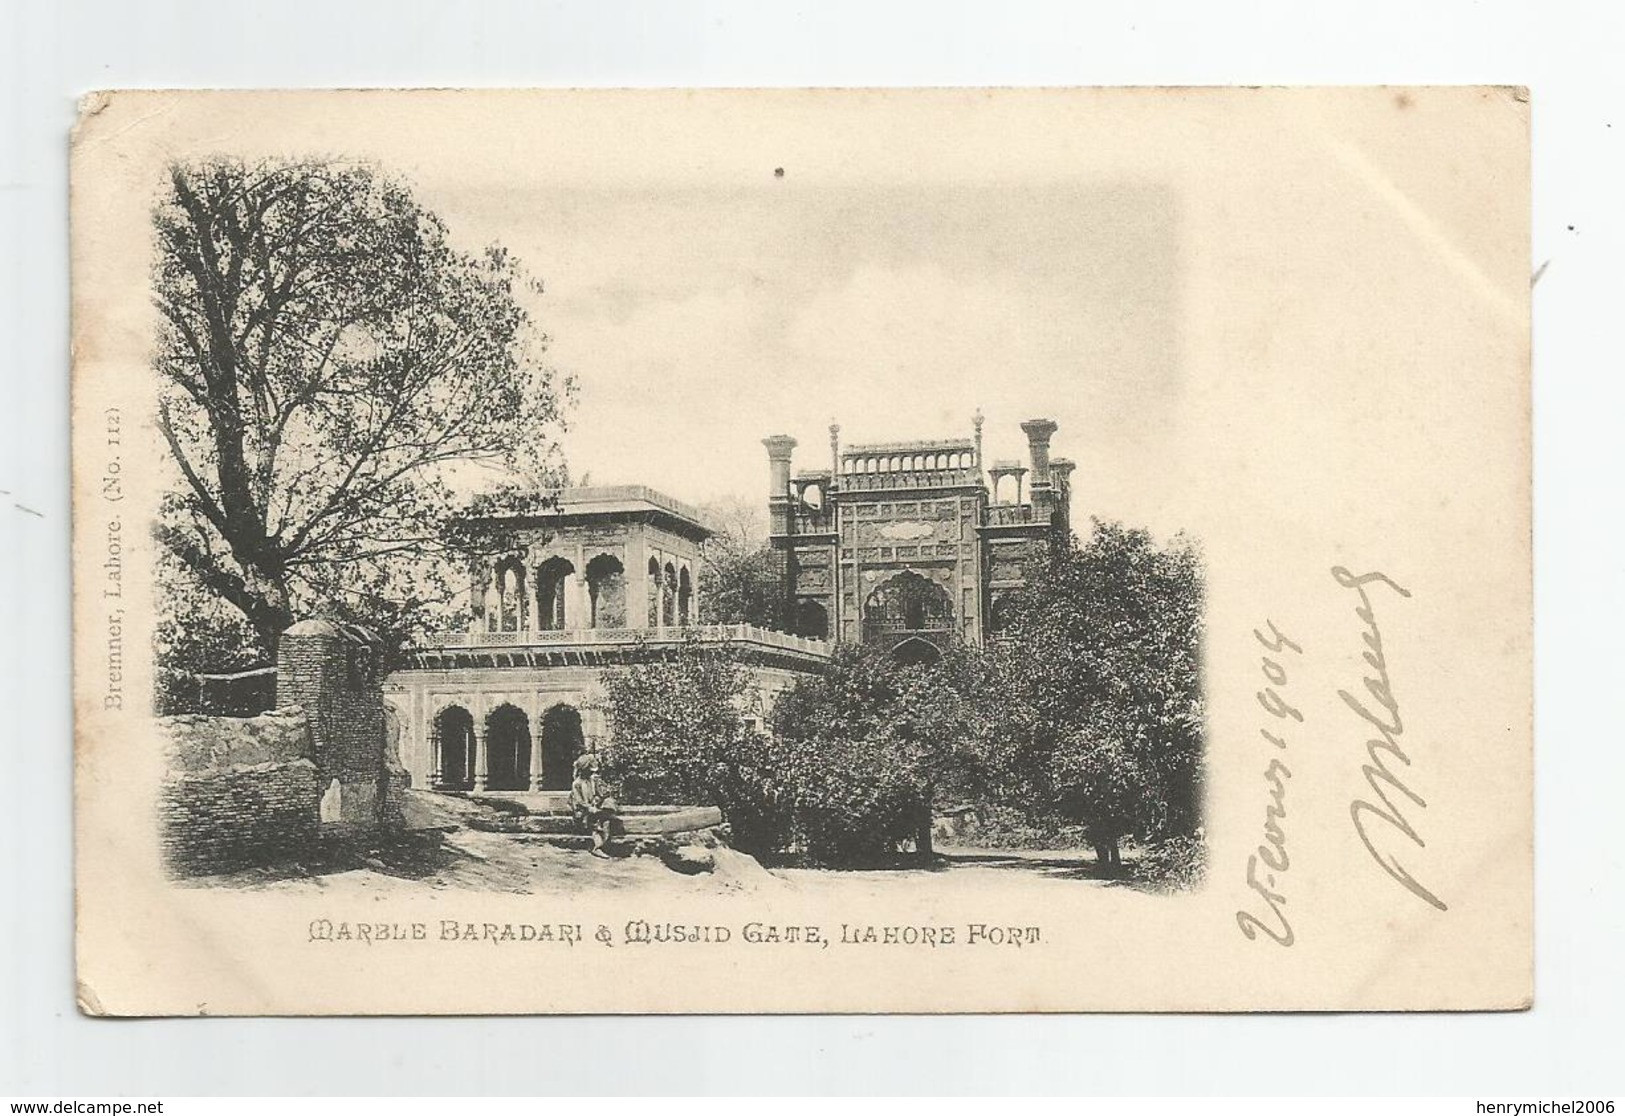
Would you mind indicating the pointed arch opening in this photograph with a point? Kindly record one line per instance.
(812, 620)
(509, 613)
(562, 742)
(507, 744)
(654, 594)
(906, 602)
(915, 651)
(668, 597)
(453, 742)
(606, 592)
(552, 588)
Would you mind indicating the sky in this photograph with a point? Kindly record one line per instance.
(698, 321)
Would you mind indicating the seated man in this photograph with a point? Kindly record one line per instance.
(592, 805)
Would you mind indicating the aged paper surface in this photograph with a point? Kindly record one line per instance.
(1283, 332)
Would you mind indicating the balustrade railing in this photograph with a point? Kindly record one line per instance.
(1007, 515)
(922, 478)
(600, 637)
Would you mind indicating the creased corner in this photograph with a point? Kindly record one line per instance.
(89, 1003)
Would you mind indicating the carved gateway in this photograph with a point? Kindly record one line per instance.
(922, 509)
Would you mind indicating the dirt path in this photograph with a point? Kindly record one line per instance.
(449, 855)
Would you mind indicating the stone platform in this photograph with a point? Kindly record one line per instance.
(545, 816)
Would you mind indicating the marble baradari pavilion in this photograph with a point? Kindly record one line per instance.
(906, 545)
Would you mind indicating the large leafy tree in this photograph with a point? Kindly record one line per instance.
(1099, 664)
(741, 576)
(869, 746)
(335, 372)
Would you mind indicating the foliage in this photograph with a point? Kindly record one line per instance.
(683, 730)
(1083, 718)
(1174, 864)
(334, 369)
(1099, 662)
(213, 638)
(1009, 827)
(866, 748)
(741, 577)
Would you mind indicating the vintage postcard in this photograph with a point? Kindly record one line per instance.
(802, 551)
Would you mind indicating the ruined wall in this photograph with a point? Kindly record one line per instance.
(256, 790)
(332, 673)
(240, 791)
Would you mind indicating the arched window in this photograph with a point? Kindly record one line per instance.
(668, 597)
(906, 602)
(685, 597)
(510, 611)
(812, 620)
(606, 592)
(562, 742)
(552, 583)
(452, 739)
(507, 744)
(915, 651)
(654, 594)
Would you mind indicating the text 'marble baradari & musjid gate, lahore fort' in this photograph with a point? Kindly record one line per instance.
(906, 545)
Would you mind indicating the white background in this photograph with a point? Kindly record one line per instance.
(1570, 54)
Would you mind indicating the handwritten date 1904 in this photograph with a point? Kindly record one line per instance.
(1271, 861)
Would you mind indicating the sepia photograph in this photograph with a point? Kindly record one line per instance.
(848, 537)
(426, 619)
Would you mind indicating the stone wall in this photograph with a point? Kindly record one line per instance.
(256, 790)
(240, 791)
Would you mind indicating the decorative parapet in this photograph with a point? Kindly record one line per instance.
(1009, 515)
(923, 478)
(604, 644)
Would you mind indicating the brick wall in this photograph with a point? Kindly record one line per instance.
(221, 820)
(333, 674)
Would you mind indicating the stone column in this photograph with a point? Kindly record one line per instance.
(976, 461)
(1061, 474)
(580, 601)
(657, 584)
(477, 578)
(481, 755)
(437, 763)
(535, 714)
(637, 579)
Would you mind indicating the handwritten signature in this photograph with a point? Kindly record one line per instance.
(1389, 727)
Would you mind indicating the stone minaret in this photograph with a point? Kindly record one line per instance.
(779, 447)
(1039, 431)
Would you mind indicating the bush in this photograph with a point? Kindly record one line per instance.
(681, 731)
(1174, 864)
(844, 802)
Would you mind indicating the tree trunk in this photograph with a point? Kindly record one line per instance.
(1107, 858)
(922, 832)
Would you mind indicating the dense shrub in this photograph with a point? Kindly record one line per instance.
(683, 730)
(1173, 864)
